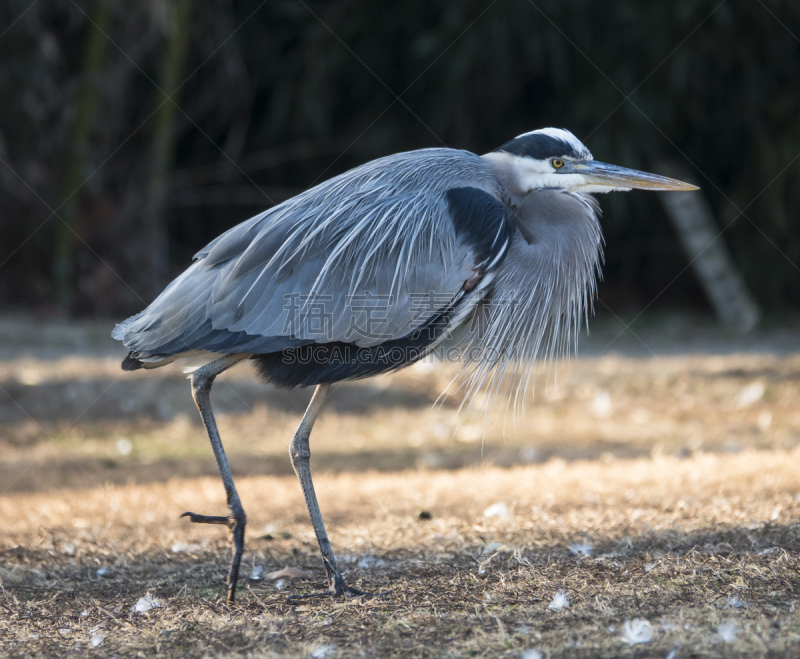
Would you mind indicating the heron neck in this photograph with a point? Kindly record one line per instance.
(507, 176)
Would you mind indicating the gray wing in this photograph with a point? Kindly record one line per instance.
(366, 257)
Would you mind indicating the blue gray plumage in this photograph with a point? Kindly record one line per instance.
(392, 256)
(370, 271)
(360, 233)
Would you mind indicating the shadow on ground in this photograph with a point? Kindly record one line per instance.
(160, 397)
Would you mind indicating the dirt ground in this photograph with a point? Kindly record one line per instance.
(645, 505)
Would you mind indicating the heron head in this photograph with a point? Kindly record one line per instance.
(554, 158)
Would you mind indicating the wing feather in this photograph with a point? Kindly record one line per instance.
(383, 231)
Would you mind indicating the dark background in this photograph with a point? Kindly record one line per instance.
(107, 187)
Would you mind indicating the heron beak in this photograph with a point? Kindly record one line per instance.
(599, 173)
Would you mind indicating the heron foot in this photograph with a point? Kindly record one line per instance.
(208, 519)
(338, 586)
(236, 527)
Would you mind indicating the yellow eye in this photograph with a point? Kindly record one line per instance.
(557, 163)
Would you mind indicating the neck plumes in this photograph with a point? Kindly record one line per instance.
(542, 292)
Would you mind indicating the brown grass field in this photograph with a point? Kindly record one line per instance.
(657, 485)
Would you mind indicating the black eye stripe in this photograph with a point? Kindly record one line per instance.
(539, 147)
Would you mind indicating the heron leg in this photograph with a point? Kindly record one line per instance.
(202, 379)
(300, 454)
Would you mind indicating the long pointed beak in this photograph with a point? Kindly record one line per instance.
(600, 173)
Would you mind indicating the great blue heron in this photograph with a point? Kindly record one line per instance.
(368, 272)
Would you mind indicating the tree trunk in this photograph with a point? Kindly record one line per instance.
(705, 248)
(155, 234)
(74, 171)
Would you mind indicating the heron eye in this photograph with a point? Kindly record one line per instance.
(557, 163)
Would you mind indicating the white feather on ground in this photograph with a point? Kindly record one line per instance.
(560, 601)
(728, 632)
(637, 631)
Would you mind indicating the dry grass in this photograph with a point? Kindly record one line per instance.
(684, 485)
(681, 543)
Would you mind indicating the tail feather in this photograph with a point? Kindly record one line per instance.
(131, 363)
